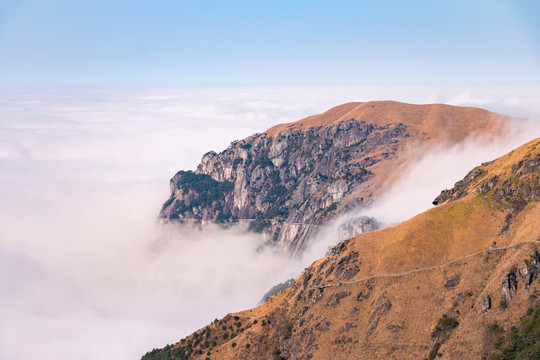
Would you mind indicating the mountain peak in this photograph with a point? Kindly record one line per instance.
(435, 121)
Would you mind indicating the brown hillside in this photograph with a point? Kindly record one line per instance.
(428, 126)
(451, 281)
(438, 122)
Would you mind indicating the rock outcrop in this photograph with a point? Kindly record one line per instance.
(513, 192)
(294, 177)
(284, 183)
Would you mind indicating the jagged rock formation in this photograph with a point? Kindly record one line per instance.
(447, 283)
(277, 288)
(357, 225)
(296, 176)
(514, 192)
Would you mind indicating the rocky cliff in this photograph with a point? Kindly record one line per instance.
(296, 176)
(452, 282)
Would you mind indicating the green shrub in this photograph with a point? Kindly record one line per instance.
(236, 162)
(275, 192)
(434, 351)
(222, 217)
(498, 343)
(436, 331)
(448, 322)
(274, 177)
(277, 210)
(258, 225)
(329, 209)
(208, 190)
(523, 342)
(263, 161)
(495, 329)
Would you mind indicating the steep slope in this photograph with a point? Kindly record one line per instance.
(452, 281)
(298, 175)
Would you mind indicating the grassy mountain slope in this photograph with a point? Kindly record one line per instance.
(436, 121)
(448, 283)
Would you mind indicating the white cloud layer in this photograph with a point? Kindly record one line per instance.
(84, 173)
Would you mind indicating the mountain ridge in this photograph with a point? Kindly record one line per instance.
(415, 114)
(311, 170)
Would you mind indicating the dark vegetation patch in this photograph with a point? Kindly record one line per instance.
(444, 328)
(522, 342)
(259, 224)
(207, 191)
(203, 341)
(202, 183)
(277, 288)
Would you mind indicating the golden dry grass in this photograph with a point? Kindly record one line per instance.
(438, 122)
(418, 300)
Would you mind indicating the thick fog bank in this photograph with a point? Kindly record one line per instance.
(86, 272)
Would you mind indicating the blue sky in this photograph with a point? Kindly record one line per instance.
(120, 43)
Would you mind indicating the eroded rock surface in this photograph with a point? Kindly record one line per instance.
(287, 184)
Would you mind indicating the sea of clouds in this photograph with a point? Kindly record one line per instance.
(85, 270)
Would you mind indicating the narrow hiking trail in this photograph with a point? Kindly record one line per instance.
(500, 249)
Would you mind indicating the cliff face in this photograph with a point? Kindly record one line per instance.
(451, 283)
(294, 179)
(296, 176)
